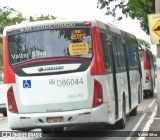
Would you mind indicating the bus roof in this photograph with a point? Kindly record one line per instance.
(29, 24)
(94, 22)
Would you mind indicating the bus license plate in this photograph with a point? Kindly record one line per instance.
(55, 119)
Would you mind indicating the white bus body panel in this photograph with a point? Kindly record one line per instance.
(135, 85)
(122, 88)
(148, 86)
(42, 102)
(50, 94)
(110, 97)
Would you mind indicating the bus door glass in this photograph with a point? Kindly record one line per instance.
(134, 73)
(110, 82)
(118, 67)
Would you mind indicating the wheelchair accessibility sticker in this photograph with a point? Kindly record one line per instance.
(26, 83)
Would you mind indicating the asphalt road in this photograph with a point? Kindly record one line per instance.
(98, 132)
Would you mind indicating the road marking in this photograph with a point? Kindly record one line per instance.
(137, 125)
(152, 103)
(142, 108)
(9, 138)
(3, 118)
(156, 118)
(149, 122)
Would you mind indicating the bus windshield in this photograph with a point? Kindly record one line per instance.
(69, 42)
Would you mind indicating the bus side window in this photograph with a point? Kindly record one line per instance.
(141, 55)
(132, 51)
(122, 54)
(106, 53)
(118, 52)
(151, 60)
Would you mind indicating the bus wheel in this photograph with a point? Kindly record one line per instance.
(5, 113)
(151, 93)
(58, 129)
(122, 122)
(23, 129)
(46, 130)
(133, 112)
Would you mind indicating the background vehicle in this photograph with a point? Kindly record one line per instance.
(3, 93)
(64, 73)
(148, 71)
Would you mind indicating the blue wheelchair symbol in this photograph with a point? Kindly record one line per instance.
(26, 83)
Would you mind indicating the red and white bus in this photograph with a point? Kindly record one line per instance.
(63, 73)
(148, 71)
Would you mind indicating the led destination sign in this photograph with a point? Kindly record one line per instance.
(49, 26)
(78, 34)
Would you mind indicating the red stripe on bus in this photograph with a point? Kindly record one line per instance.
(48, 60)
(97, 64)
(9, 75)
(146, 61)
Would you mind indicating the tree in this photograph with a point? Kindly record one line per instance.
(144, 43)
(42, 17)
(136, 9)
(8, 16)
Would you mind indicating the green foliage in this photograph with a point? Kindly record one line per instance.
(48, 17)
(144, 43)
(133, 8)
(9, 16)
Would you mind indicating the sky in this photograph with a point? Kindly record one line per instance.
(74, 9)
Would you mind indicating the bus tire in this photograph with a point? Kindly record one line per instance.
(46, 131)
(133, 112)
(22, 129)
(151, 93)
(122, 122)
(58, 129)
(5, 113)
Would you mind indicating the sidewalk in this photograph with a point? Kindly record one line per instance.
(155, 126)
